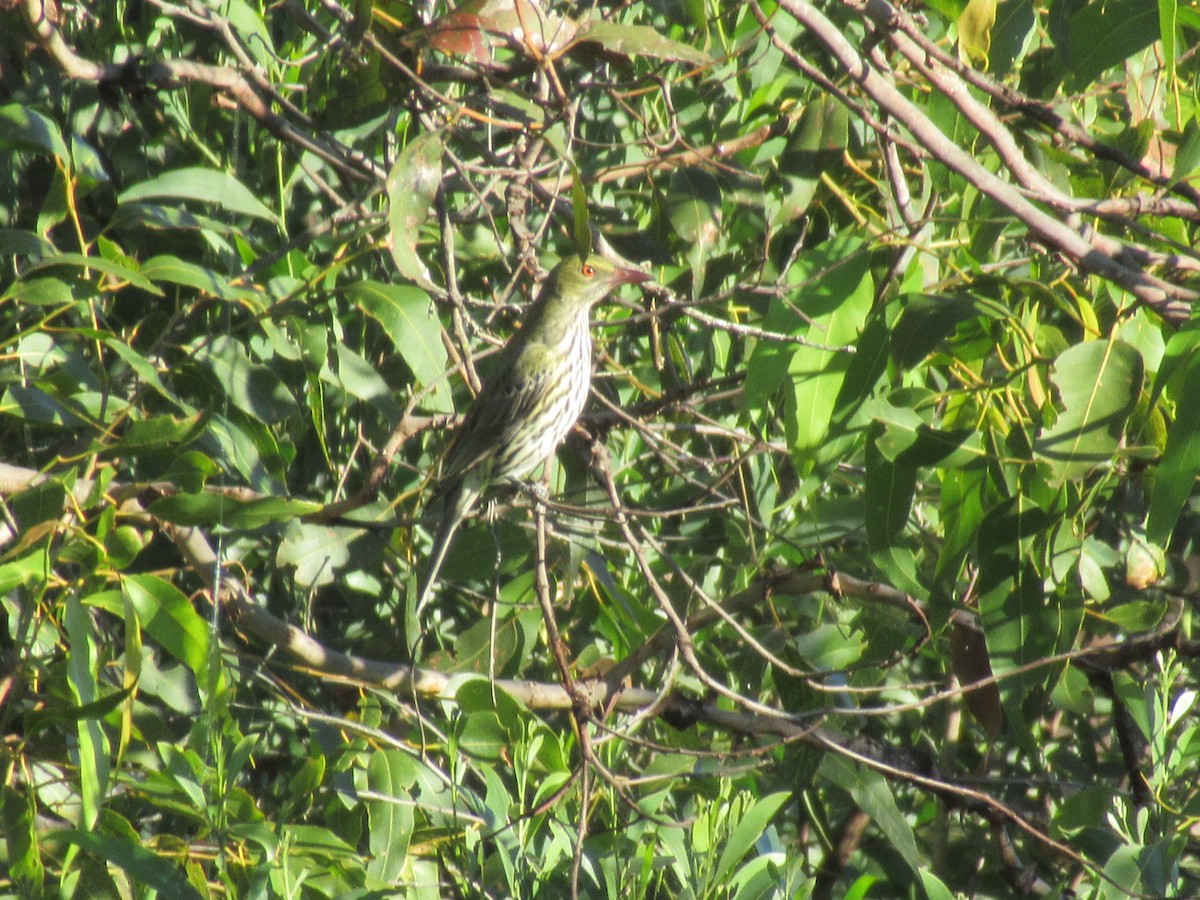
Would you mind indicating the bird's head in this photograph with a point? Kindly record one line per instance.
(589, 280)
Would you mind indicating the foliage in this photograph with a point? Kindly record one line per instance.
(914, 403)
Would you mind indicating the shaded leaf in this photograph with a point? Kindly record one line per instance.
(28, 129)
(202, 185)
(251, 386)
(1175, 479)
(142, 866)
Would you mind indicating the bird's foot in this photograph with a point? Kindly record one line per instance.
(536, 491)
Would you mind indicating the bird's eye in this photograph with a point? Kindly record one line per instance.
(587, 271)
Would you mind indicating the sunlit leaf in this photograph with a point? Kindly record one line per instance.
(1099, 383)
(412, 188)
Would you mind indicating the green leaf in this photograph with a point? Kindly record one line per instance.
(17, 817)
(830, 310)
(141, 865)
(582, 229)
(1168, 24)
(412, 187)
(203, 185)
(97, 709)
(251, 386)
(92, 743)
(214, 508)
(362, 380)
(815, 145)
(1099, 383)
(872, 794)
(404, 314)
(1104, 35)
(111, 268)
(638, 40)
(747, 831)
(14, 242)
(927, 320)
(1187, 157)
(1175, 477)
(27, 129)
(694, 205)
(1022, 622)
(39, 292)
(887, 500)
(174, 270)
(316, 551)
(391, 775)
(168, 616)
(158, 432)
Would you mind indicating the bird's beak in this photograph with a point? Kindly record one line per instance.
(629, 276)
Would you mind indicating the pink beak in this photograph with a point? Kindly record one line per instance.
(629, 276)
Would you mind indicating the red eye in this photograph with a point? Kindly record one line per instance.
(587, 271)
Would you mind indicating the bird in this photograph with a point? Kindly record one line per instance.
(524, 411)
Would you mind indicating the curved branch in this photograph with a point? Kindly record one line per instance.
(1169, 301)
(171, 73)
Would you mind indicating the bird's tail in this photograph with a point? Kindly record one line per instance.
(453, 507)
(441, 545)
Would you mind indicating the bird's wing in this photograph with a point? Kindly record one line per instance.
(496, 417)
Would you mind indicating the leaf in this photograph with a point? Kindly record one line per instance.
(404, 314)
(582, 229)
(141, 865)
(174, 270)
(830, 310)
(1168, 23)
(975, 31)
(17, 817)
(391, 775)
(28, 129)
(1175, 478)
(694, 205)
(694, 210)
(362, 380)
(250, 386)
(14, 242)
(204, 185)
(92, 744)
(316, 551)
(111, 268)
(158, 432)
(638, 40)
(1022, 622)
(888, 494)
(1187, 157)
(872, 794)
(168, 616)
(213, 508)
(1104, 35)
(412, 187)
(815, 145)
(747, 831)
(1099, 383)
(927, 320)
(35, 405)
(39, 292)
